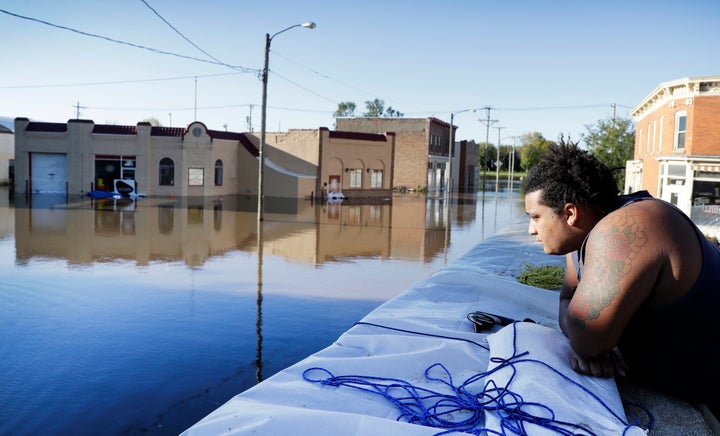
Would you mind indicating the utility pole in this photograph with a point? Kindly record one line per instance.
(487, 122)
(497, 161)
(614, 106)
(195, 99)
(248, 119)
(77, 110)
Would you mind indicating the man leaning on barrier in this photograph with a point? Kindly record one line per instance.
(641, 278)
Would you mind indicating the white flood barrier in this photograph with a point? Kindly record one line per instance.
(416, 366)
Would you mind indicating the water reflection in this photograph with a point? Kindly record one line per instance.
(122, 315)
(194, 230)
(259, 300)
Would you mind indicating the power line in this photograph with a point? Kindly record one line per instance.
(304, 88)
(130, 44)
(117, 82)
(547, 108)
(179, 109)
(324, 76)
(180, 33)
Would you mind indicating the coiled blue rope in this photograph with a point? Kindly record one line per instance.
(461, 408)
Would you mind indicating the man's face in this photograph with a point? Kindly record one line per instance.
(549, 228)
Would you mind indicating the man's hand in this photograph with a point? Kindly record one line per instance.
(607, 365)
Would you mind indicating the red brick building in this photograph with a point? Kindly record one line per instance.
(677, 147)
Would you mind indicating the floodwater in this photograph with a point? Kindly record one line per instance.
(141, 317)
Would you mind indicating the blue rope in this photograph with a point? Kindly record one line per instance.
(463, 408)
(422, 334)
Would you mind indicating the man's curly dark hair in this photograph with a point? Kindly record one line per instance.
(567, 174)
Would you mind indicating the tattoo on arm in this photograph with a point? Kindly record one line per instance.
(621, 240)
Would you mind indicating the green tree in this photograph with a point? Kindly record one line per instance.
(486, 156)
(346, 109)
(534, 145)
(612, 141)
(392, 113)
(376, 109)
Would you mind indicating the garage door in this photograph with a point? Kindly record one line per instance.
(48, 173)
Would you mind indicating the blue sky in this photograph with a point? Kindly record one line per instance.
(546, 66)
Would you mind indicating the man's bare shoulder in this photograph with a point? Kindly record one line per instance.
(654, 241)
(653, 215)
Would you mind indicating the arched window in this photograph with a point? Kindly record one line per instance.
(167, 172)
(218, 173)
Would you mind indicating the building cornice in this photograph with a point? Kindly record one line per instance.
(685, 88)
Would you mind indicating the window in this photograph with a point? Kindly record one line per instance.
(167, 172)
(376, 178)
(218, 173)
(356, 178)
(654, 135)
(196, 177)
(109, 168)
(680, 126)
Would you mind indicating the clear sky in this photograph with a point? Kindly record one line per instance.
(552, 66)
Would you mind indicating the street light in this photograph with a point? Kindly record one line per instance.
(261, 147)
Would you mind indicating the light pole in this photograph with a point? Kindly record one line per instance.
(487, 122)
(511, 164)
(497, 161)
(261, 147)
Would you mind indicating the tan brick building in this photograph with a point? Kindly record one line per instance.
(677, 147)
(7, 155)
(80, 156)
(421, 149)
(355, 164)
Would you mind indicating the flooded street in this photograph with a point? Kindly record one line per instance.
(131, 317)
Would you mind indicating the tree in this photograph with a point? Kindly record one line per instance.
(153, 121)
(392, 113)
(346, 109)
(534, 145)
(612, 142)
(486, 151)
(376, 109)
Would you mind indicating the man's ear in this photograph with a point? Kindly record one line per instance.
(570, 212)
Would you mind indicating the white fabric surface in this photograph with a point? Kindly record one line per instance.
(591, 402)
(483, 280)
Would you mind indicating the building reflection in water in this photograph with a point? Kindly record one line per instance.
(195, 230)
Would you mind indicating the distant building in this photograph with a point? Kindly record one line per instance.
(7, 155)
(354, 164)
(421, 150)
(467, 154)
(80, 156)
(677, 147)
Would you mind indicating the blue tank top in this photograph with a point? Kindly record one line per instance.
(676, 346)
